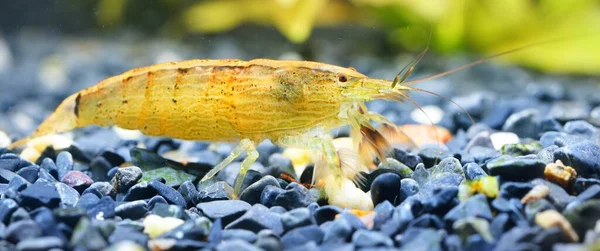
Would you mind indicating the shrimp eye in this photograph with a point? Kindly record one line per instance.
(342, 78)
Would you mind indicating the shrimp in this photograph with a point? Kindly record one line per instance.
(291, 103)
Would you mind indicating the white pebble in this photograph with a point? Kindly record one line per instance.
(127, 134)
(502, 138)
(155, 225)
(433, 112)
(4, 139)
(291, 55)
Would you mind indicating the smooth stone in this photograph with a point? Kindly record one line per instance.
(427, 221)
(49, 166)
(396, 167)
(156, 200)
(132, 210)
(464, 157)
(7, 208)
(514, 236)
(40, 194)
(103, 187)
(252, 193)
(87, 200)
(500, 224)
(383, 212)
(227, 210)
(277, 209)
(217, 191)
(6, 176)
(483, 154)
(449, 180)
(19, 214)
(584, 216)
(77, 180)
(338, 231)
(420, 175)
(548, 138)
(515, 169)
(69, 216)
(12, 162)
(124, 233)
(64, 163)
(532, 208)
(477, 242)
(294, 196)
(385, 188)
(269, 195)
(363, 238)
(18, 183)
(521, 149)
(475, 206)
(546, 155)
(326, 213)
(22, 230)
(29, 173)
(581, 184)
(584, 157)
(409, 159)
(448, 165)
(524, 123)
(126, 177)
(189, 193)
(580, 127)
(295, 218)
(421, 239)
(103, 209)
(68, 195)
(236, 245)
(257, 218)
(431, 154)
(482, 139)
(473, 171)
(408, 187)
(169, 193)
(514, 189)
(193, 229)
(41, 244)
(550, 125)
(401, 217)
(240, 234)
(440, 201)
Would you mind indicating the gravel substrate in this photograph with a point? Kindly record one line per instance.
(526, 176)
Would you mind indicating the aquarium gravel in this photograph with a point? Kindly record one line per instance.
(525, 176)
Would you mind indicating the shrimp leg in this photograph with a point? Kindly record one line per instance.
(246, 145)
(320, 142)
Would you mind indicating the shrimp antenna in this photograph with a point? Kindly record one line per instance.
(408, 69)
(487, 59)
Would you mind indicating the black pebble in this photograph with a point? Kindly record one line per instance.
(385, 187)
(40, 194)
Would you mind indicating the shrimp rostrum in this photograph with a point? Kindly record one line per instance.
(291, 103)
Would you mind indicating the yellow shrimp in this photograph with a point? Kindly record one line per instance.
(291, 103)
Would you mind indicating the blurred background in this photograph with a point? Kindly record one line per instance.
(481, 26)
(49, 49)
